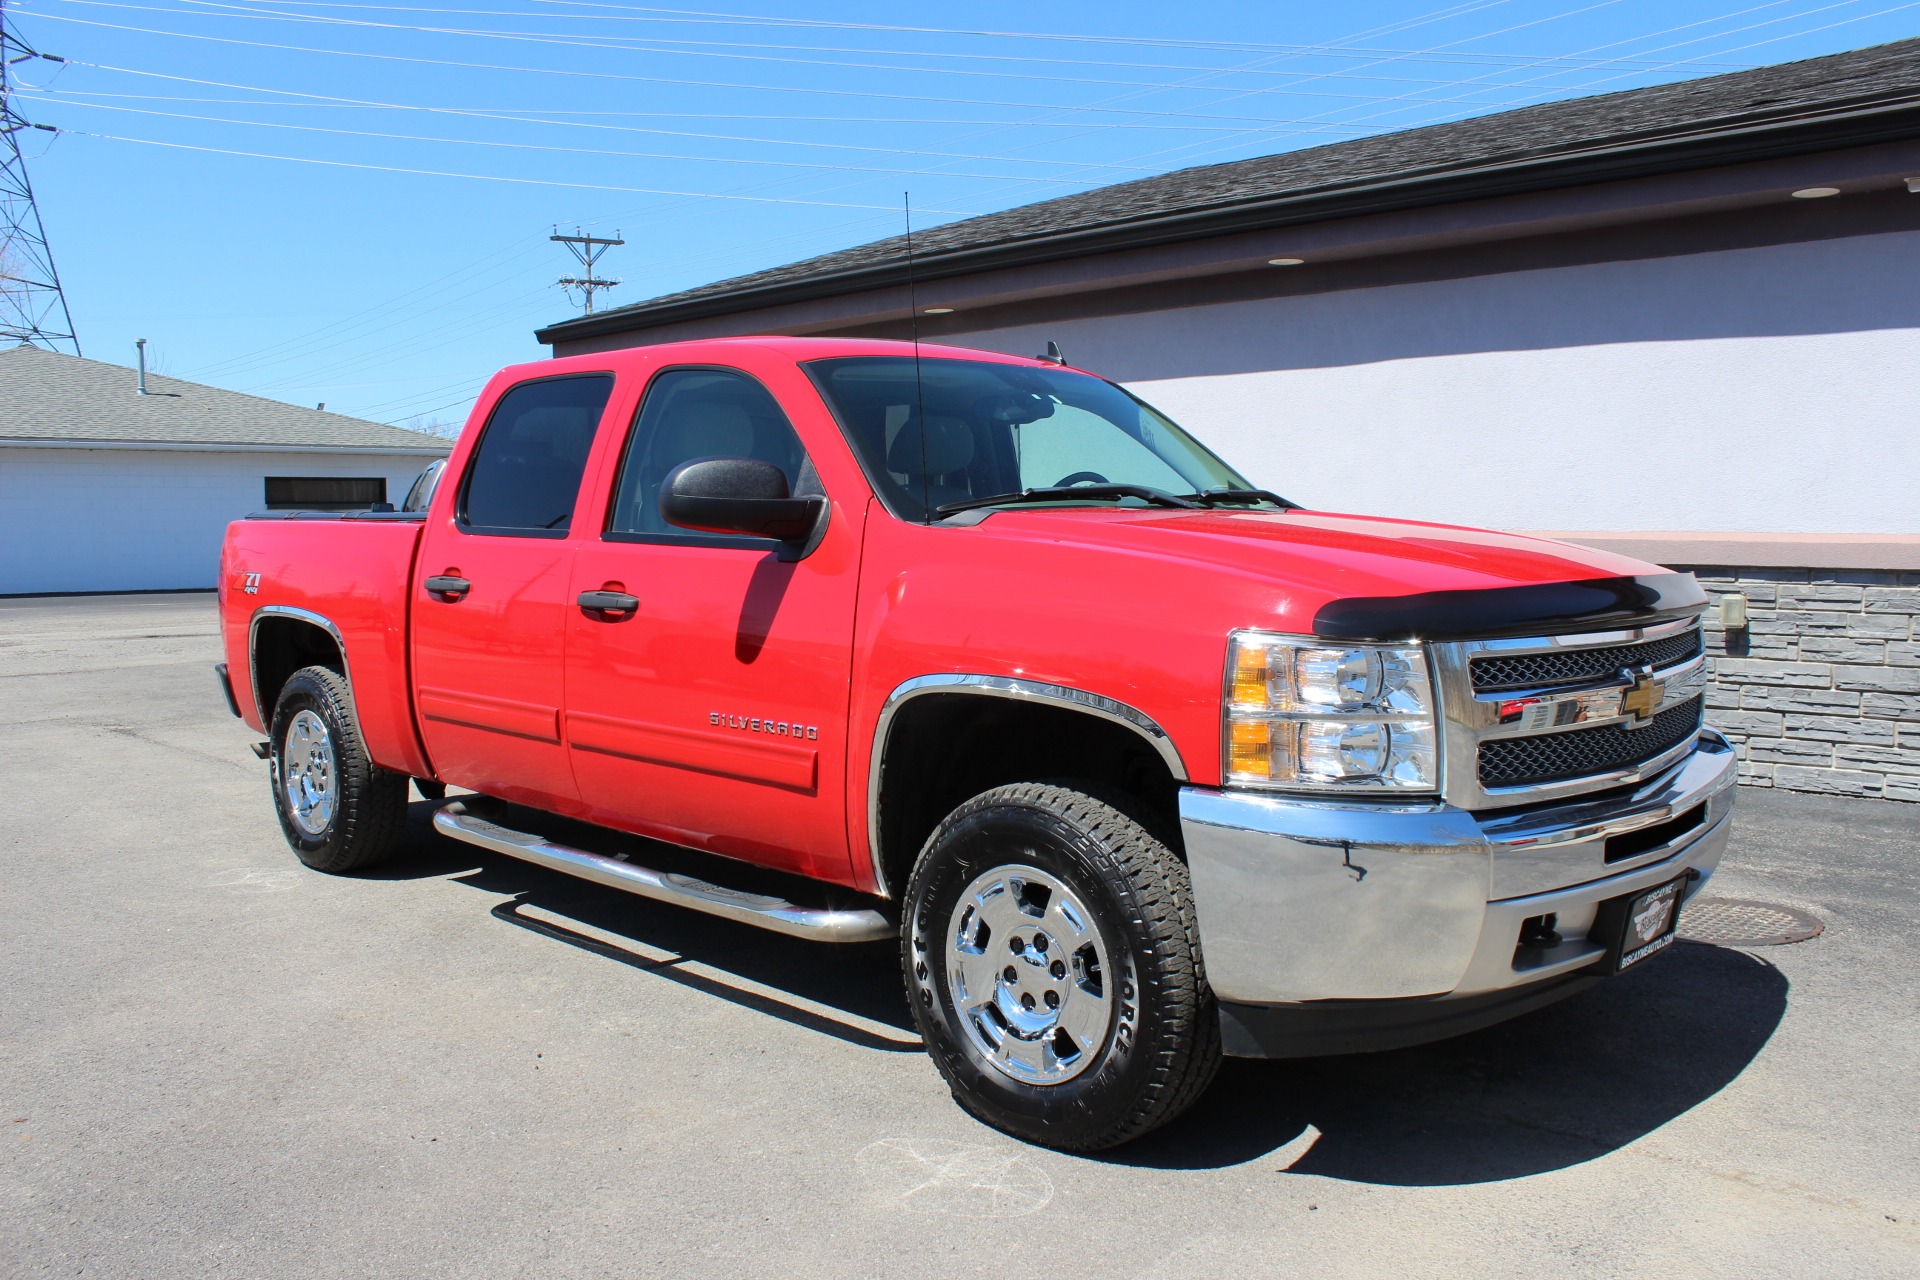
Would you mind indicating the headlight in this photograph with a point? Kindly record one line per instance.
(1302, 714)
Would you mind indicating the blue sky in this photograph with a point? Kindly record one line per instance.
(350, 203)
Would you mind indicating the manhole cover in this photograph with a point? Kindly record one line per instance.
(1735, 922)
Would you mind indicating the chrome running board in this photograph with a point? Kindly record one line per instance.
(819, 923)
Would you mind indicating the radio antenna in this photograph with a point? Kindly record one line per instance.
(919, 386)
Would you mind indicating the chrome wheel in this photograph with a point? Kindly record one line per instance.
(1029, 975)
(307, 776)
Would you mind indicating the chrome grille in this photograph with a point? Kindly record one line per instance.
(1576, 753)
(1570, 666)
(1532, 718)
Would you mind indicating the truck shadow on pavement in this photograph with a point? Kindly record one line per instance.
(1555, 1088)
(850, 992)
(1567, 1084)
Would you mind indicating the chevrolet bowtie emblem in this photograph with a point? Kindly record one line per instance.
(1641, 698)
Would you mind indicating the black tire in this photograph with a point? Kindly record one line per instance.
(367, 813)
(1162, 1043)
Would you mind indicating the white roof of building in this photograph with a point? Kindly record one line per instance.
(49, 397)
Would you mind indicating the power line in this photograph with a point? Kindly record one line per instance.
(477, 177)
(1602, 4)
(678, 81)
(522, 115)
(587, 151)
(691, 17)
(394, 422)
(1567, 91)
(1107, 105)
(407, 317)
(725, 49)
(1410, 100)
(1406, 24)
(33, 306)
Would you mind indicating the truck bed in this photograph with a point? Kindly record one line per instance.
(349, 571)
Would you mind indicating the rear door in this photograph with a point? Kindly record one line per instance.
(490, 604)
(714, 713)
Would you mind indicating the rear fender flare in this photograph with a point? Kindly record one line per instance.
(299, 615)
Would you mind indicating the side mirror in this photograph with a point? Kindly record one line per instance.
(420, 496)
(738, 495)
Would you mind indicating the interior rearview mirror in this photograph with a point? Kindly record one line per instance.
(738, 495)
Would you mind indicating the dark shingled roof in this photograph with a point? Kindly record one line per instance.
(45, 395)
(1865, 96)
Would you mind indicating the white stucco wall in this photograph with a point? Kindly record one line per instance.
(1761, 390)
(143, 520)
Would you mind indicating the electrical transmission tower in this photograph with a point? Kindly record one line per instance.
(587, 250)
(32, 306)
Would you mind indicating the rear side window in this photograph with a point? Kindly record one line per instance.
(701, 413)
(525, 474)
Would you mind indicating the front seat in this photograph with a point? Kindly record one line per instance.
(946, 452)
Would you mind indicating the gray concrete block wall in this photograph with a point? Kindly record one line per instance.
(1821, 691)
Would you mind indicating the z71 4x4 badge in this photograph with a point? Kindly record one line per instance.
(761, 724)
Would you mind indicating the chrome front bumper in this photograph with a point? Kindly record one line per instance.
(1302, 901)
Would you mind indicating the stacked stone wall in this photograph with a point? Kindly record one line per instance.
(1821, 690)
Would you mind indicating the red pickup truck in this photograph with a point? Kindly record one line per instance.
(1140, 762)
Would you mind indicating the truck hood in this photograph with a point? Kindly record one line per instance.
(1366, 577)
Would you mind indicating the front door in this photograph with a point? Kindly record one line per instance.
(714, 712)
(491, 604)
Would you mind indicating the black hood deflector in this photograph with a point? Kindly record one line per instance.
(1535, 609)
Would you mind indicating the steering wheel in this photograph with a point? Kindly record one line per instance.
(1081, 477)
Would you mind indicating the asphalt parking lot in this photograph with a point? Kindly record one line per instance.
(214, 1062)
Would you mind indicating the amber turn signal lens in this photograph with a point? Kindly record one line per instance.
(1250, 675)
(1252, 750)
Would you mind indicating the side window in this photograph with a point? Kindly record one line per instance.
(700, 413)
(525, 474)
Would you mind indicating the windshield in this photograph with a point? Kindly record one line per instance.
(1001, 428)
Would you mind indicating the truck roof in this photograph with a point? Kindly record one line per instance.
(794, 349)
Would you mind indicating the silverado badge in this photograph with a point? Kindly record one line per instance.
(1641, 699)
(763, 724)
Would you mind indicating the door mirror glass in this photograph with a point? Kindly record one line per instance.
(420, 496)
(737, 495)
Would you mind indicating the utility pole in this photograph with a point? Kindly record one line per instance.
(32, 306)
(586, 250)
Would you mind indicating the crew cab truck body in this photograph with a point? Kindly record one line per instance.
(1139, 762)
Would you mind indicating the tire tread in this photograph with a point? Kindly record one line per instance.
(373, 802)
(1147, 874)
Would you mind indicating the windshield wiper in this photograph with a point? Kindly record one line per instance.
(1237, 497)
(1067, 493)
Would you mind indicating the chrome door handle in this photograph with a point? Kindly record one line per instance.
(448, 588)
(609, 602)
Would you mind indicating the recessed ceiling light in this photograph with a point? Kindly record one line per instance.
(1285, 262)
(939, 311)
(1815, 193)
